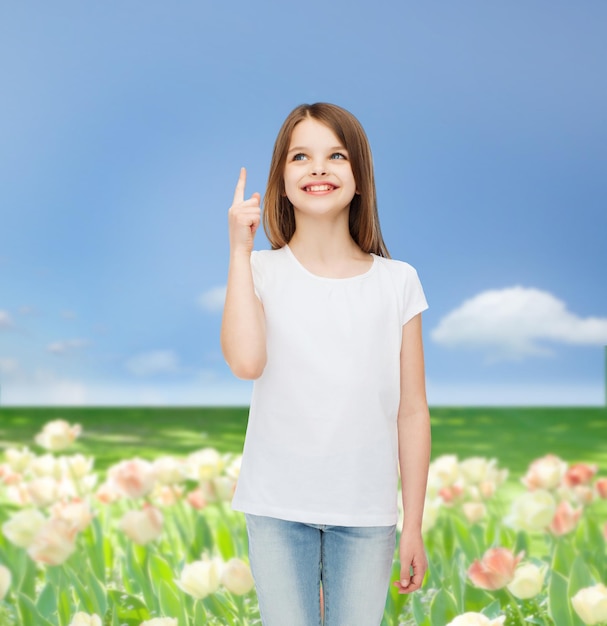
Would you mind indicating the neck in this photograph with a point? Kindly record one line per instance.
(324, 241)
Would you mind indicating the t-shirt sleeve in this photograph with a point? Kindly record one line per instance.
(257, 271)
(414, 299)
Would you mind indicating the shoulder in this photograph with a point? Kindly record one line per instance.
(267, 258)
(400, 270)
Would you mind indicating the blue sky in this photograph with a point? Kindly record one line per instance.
(123, 127)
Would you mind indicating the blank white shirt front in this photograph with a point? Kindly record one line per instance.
(321, 444)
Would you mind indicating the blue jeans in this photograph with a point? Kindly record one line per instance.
(290, 559)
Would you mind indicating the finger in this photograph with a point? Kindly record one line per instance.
(239, 191)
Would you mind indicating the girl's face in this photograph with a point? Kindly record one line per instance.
(318, 176)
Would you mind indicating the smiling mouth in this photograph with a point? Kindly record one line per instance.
(319, 188)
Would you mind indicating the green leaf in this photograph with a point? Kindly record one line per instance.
(28, 613)
(171, 605)
(129, 609)
(159, 570)
(493, 610)
(46, 604)
(558, 600)
(442, 608)
(563, 557)
(98, 590)
(464, 538)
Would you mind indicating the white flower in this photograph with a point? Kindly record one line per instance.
(54, 543)
(590, 604)
(533, 511)
(443, 472)
(170, 470)
(160, 621)
(528, 581)
(5, 581)
(476, 619)
(19, 460)
(57, 435)
(475, 469)
(134, 477)
(205, 464)
(77, 513)
(84, 619)
(142, 526)
(474, 511)
(201, 578)
(43, 491)
(431, 510)
(46, 465)
(237, 577)
(23, 526)
(76, 466)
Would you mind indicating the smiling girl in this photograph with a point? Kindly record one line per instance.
(329, 327)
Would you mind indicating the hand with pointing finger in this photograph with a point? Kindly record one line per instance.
(244, 217)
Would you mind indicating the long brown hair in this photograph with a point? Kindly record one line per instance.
(278, 215)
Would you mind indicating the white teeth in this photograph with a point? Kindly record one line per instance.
(319, 188)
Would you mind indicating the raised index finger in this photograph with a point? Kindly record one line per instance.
(239, 192)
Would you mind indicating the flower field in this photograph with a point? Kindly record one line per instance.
(150, 540)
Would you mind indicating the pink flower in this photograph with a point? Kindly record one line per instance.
(54, 543)
(565, 519)
(579, 474)
(601, 487)
(135, 478)
(495, 570)
(142, 526)
(451, 494)
(75, 512)
(197, 499)
(545, 473)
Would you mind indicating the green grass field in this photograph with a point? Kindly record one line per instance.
(515, 436)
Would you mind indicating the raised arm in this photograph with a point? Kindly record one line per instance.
(414, 454)
(243, 332)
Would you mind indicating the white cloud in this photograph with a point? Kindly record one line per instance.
(154, 362)
(514, 322)
(5, 320)
(8, 366)
(67, 345)
(212, 300)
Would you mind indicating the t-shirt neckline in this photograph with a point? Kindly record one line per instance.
(297, 262)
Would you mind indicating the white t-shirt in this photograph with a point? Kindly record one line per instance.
(321, 443)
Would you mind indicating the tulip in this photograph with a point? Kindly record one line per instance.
(84, 619)
(476, 469)
(46, 465)
(527, 582)
(236, 577)
(495, 570)
(444, 470)
(43, 491)
(452, 493)
(77, 513)
(430, 516)
(601, 488)
(167, 495)
(533, 511)
(23, 526)
(54, 543)
(590, 604)
(201, 578)
(57, 435)
(579, 474)
(205, 464)
(135, 478)
(160, 621)
(474, 511)
(197, 499)
(76, 466)
(170, 470)
(108, 492)
(5, 581)
(233, 469)
(545, 473)
(9, 476)
(476, 619)
(565, 519)
(19, 460)
(142, 526)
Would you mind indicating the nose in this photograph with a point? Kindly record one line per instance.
(318, 168)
